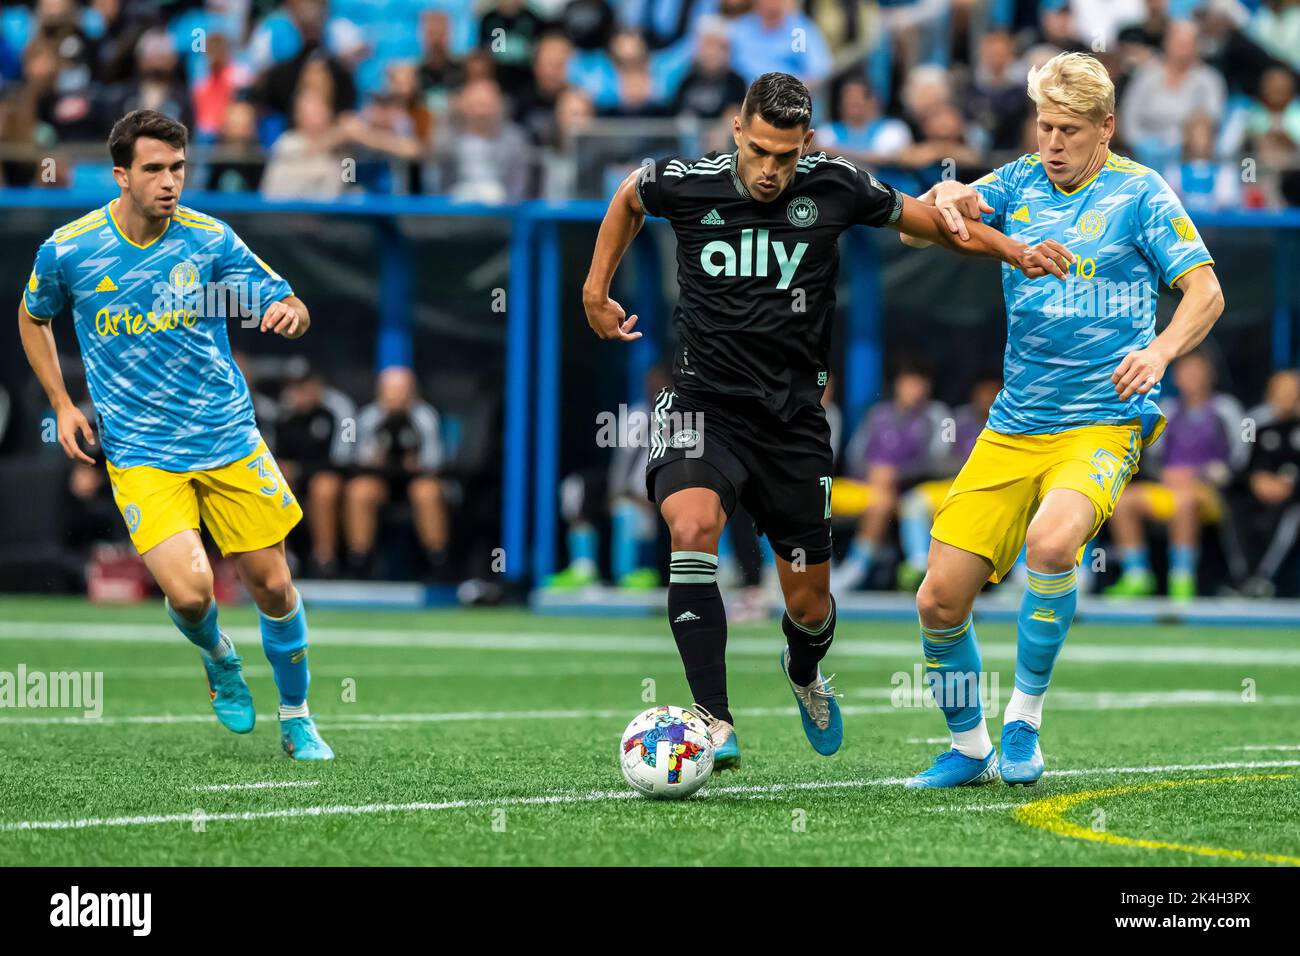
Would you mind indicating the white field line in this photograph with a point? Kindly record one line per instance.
(1060, 700)
(760, 791)
(260, 785)
(845, 645)
(1265, 747)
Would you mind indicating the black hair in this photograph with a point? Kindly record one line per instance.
(780, 99)
(147, 123)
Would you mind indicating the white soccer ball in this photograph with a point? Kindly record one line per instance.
(666, 753)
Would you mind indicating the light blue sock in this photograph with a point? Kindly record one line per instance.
(1045, 615)
(203, 634)
(1184, 558)
(952, 661)
(1135, 560)
(914, 523)
(582, 545)
(284, 639)
(625, 546)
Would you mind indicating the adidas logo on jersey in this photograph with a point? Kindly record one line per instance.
(713, 219)
(106, 285)
(719, 257)
(1021, 214)
(686, 616)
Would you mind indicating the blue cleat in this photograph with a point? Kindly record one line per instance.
(1021, 762)
(301, 740)
(954, 769)
(818, 709)
(726, 749)
(231, 699)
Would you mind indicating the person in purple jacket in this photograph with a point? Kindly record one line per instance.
(899, 443)
(1201, 449)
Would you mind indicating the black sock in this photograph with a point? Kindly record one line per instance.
(699, 623)
(807, 648)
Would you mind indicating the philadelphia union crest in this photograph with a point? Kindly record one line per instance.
(184, 277)
(802, 211)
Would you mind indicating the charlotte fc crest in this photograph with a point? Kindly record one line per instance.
(802, 211)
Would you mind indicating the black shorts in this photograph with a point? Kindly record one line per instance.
(779, 470)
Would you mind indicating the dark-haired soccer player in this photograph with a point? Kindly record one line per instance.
(180, 439)
(743, 424)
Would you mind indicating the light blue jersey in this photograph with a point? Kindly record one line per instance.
(151, 321)
(1128, 232)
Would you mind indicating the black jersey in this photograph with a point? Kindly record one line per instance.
(757, 279)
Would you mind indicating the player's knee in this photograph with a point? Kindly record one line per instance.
(939, 605)
(191, 602)
(695, 532)
(1052, 550)
(809, 607)
(273, 591)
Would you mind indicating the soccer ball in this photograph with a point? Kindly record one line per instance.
(666, 753)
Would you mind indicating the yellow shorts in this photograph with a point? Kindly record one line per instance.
(1161, 503)
(245, 505)
(998, 491)
(850, 497)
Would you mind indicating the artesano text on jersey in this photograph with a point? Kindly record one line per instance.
(757, 279)
(1128, 232)
(154, 345)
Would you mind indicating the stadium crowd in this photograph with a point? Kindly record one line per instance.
(509, 99)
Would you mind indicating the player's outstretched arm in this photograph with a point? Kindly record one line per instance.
(1200, 308)
(926, 222)
(43, 357)
(288, 317)
(623, 220)
(956, 202)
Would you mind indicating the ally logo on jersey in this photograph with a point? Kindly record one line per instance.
(153, 333)
(1129, 233)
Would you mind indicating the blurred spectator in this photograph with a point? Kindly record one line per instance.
(304, 163)
(1165, 93)
(1098, 22)
(563, 168)
(925, 89)
(399, 453)
(1142, 38)
(22, 122)
(158, 84)
(239, 164)
(279, 86)
(1274, 512)
(534, 106)
(944, 148)
(440, 71)
(508, 32)
(1276, 27)
(776, 36)
(997, 100)
(917, 28)
(898, 443)
(67, 103)
(483, 157)
(315, 439)
(114, 49)
(1202, 182)
(1058, 32)
(634, 86)
(711, 86)
(1199, 451)
(216, 91)
(861, 133)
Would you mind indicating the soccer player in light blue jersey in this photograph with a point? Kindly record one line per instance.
(1082, 372)
(150, 284)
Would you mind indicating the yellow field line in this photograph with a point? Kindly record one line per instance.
(1049, 815)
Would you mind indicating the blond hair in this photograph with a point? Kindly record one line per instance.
(1073, 83)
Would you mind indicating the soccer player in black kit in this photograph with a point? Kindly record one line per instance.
(757, 259)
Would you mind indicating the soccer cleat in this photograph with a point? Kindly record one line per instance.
(818, 709)
(1133, 584)
(642, 579)
(232, 701)
(726, 749)
(954, 769)
(301, 740)
(574, 576)
(1182, 585)
(1021, 763)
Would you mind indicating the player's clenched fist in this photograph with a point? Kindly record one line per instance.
(71, 423)
(607, 318)
(1047, 257)
(282, 319)
(1139, 372)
